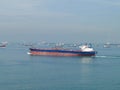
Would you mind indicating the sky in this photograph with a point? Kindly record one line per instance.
(60, 20)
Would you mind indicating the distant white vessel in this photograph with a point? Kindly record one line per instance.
(3, 44)
(107, 45)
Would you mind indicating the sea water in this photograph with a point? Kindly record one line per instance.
(20, 71)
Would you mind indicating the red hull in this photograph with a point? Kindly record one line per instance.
(56, 54)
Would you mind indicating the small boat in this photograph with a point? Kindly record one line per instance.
(84, 50)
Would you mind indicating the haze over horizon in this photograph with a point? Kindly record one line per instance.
(60, 20)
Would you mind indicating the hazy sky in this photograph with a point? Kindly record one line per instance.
(60, 20)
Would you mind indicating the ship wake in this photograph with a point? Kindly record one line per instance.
(114, 57)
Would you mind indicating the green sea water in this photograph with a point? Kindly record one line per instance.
(20, 71)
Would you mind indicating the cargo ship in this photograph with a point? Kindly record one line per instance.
(84, 50)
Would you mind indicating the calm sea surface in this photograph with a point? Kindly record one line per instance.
(20, 71)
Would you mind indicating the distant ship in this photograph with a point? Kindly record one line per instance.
(3, 44)
(107, 45)
(84, 50)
